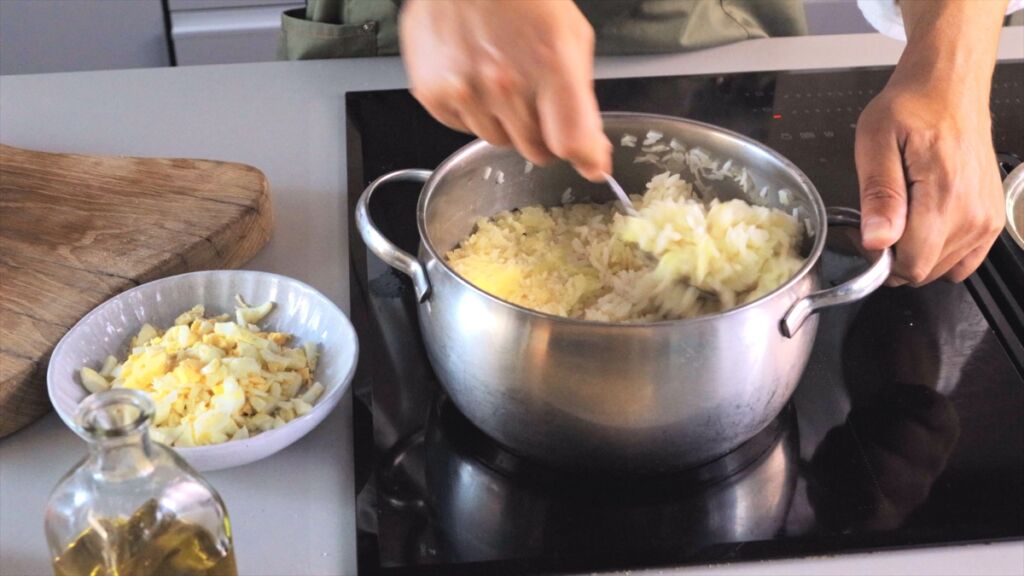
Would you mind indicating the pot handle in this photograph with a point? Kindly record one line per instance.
(385, 249)
(850, 291)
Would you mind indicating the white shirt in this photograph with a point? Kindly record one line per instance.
(885, 16)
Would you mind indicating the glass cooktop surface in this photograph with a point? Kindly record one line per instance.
(906, 429)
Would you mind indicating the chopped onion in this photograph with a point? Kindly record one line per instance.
(652, 137)
(655, 148)
(647, 159)
(743, 179)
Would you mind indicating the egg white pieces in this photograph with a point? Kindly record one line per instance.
(213, 379)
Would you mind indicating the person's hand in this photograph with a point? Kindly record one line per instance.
(929, 183)
(511, 72)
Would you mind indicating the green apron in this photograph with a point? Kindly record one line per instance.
(350, 28)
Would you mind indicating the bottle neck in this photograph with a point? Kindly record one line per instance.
(123, 457)
(116, 424)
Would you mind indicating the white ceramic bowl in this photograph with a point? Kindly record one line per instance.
(299, 310)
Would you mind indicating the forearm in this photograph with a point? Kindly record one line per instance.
(952, 44)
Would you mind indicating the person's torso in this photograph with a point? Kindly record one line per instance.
(351, 28)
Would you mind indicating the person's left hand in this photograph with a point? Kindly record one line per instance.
(929, 183)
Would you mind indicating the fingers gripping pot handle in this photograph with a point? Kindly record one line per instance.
(386, 250)
(854, 289)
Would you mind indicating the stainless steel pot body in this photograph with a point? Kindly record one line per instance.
(635, 397)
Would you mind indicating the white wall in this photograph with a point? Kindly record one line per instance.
(65, 35)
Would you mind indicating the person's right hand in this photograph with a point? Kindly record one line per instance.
(511, 72)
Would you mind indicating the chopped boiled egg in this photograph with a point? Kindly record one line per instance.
(93, 381)
(213, 380)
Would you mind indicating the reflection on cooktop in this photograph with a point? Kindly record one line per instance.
(484, 513)
(906, 428)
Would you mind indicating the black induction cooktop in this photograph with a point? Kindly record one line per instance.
(907, 429)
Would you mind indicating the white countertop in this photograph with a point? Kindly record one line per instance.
(293, 513)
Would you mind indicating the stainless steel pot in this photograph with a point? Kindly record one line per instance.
(1013, 185)
(635, 397)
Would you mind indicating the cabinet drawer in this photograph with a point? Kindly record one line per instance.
(224, 36)
(174, 5)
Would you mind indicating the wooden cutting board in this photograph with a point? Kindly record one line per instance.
(76, 230)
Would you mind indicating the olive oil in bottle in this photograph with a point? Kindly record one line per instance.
(132, 507)
(147, 544)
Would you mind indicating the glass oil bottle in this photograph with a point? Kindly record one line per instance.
(133, 507)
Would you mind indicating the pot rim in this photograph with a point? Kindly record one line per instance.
(809, 263)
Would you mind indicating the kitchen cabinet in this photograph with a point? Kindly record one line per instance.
(226, 31)
(69, 35)
(835, 17)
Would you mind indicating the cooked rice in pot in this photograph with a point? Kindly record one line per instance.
(679, 258)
